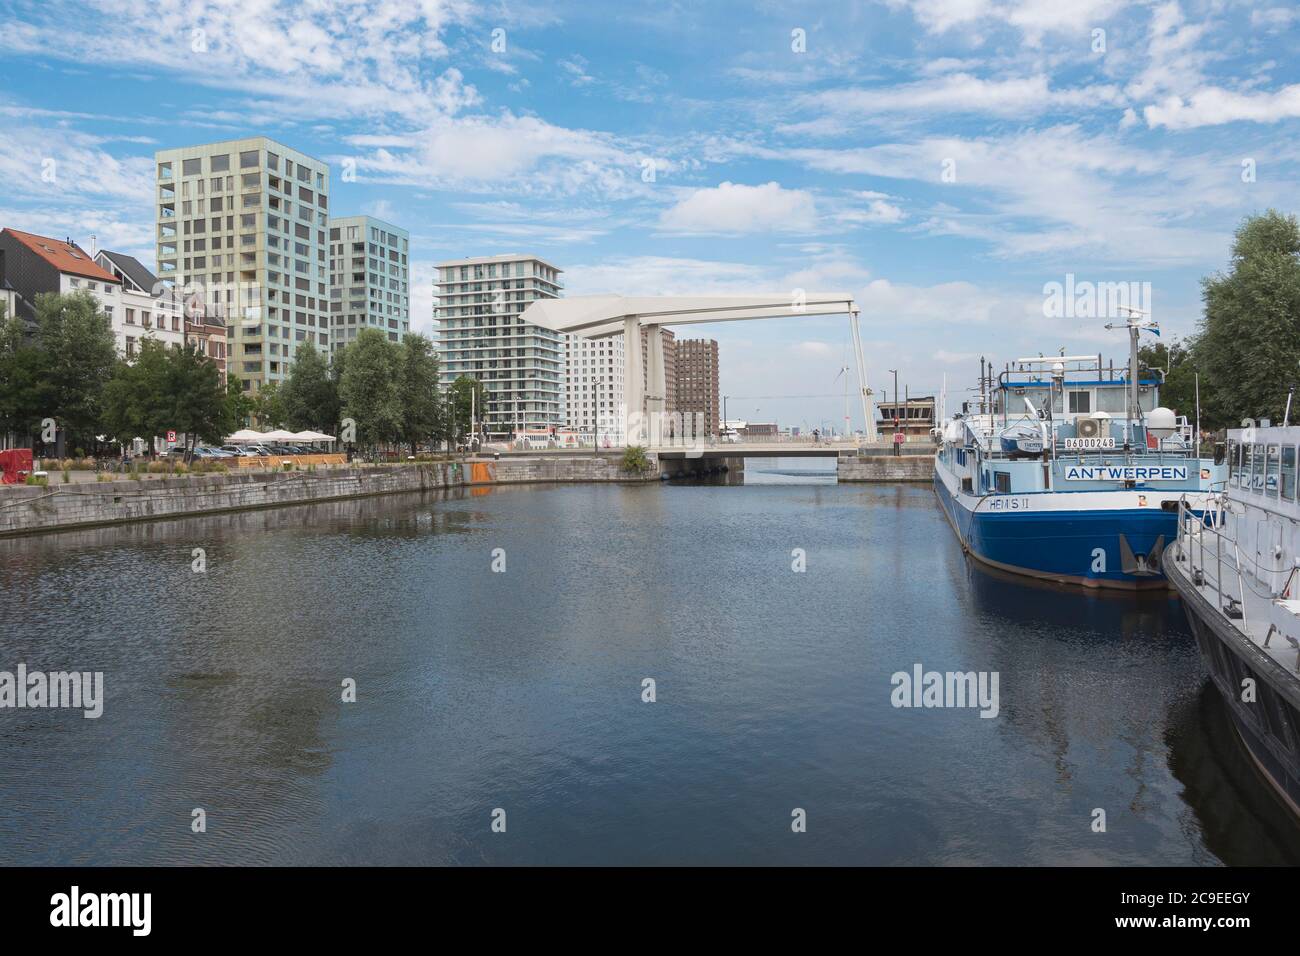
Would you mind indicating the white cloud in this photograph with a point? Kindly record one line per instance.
(954, 358)
(1032, 17)
(965, 93)
(1026, 195)
(1212, 106)
(529, 155)
(666, 275)
(734, 208)
(814, 349)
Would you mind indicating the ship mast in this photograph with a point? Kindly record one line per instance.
(1135, 324)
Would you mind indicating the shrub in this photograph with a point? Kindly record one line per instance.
(67, 474)
(635, 460)
(41, 480)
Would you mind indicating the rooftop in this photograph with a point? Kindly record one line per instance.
(65, 255)
(133, 269)
(489, 260)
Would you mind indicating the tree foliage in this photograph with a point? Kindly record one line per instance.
(418, 392)
(1175, 362)
(168, 388)
(22, 374)
(310, 397)
(370, 387)
(466, 398)
(268, 406)
(1248, 348)
(80, 353)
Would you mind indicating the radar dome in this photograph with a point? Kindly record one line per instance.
(1162, 422)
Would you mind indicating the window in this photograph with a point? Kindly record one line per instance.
(1270, 475)
(1234, 463)
(219, 164)
(1288, 472)
(1081, 403)
(1257, 468)
(248, 160)
(191, 167)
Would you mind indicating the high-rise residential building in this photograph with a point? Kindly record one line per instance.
(481, 335)
(243, 224)
(370, 279)
(697, 380)
(594, 377)
(593, 381)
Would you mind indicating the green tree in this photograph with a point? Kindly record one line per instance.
(466, 397)
(1248, 349)
(268, 405)
(168, 387)
(239, 405)
(138, 402)
(1175, 362)
(370, 387)
(418, 392)
(200, 408)
(80, 355)
(310, 395)
(22, 374)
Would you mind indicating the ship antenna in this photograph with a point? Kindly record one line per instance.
(1134, 324)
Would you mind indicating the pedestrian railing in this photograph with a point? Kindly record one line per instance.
(1193, 530)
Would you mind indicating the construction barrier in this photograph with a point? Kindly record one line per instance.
(299, 461)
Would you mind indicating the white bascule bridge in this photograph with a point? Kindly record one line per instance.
(605, 316)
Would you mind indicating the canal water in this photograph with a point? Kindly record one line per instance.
(521, 689)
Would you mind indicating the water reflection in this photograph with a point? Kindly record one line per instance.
(522, 689)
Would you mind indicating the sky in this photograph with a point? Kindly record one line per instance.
(943, 161)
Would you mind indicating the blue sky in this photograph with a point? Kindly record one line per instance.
(706, 147)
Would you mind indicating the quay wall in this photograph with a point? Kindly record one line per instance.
(910, 467)
(33, 509)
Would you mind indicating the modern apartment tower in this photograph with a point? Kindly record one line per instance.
(594, 372)
(697, 381)
(593, 381)
(242, 225)
(370, 276)
(482, 335)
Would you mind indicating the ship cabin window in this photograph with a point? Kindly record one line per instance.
(1288, 472)
(1256, 468)
(1002, 482)
(1247, 456)
(1233, 465)
(1270, 475)
(1080, 403)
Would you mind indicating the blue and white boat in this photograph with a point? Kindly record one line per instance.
(1070, 471)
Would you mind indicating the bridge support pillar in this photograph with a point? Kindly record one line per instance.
(656, 382)
(633, 385)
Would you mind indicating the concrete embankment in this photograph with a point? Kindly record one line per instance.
(35, 509)
(909, 467)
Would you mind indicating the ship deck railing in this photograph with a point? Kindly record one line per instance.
(1241, 590)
